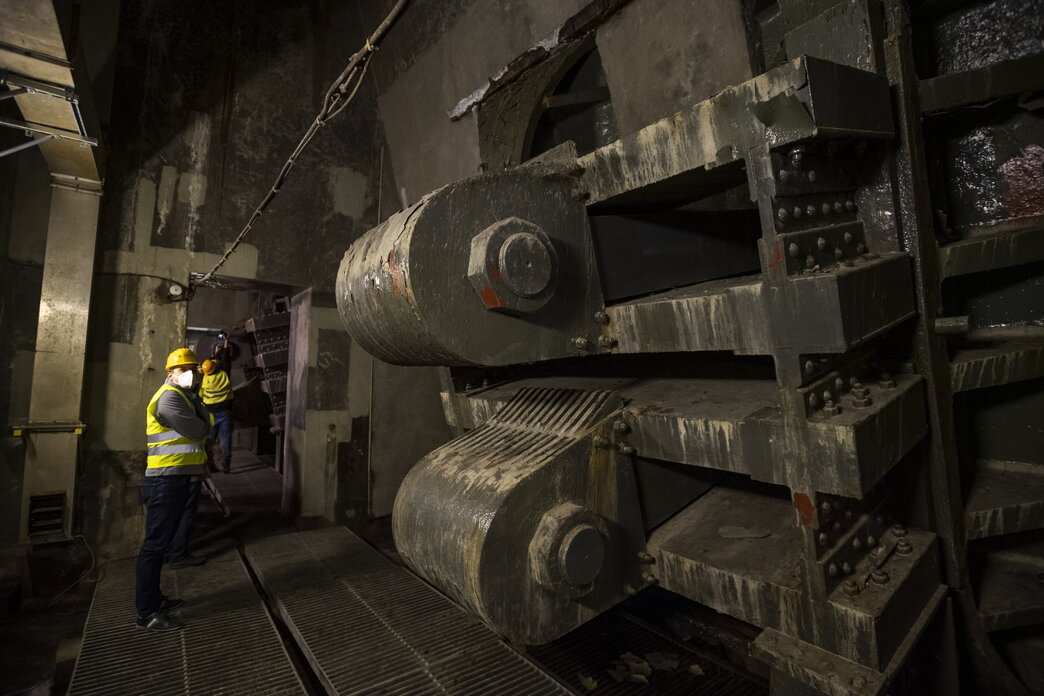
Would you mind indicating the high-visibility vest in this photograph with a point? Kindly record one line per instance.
(167, 449)
(216, 388)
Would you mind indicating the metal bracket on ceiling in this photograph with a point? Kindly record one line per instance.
(30, 127)
(34, 86)
(35, 55)
(28, 85)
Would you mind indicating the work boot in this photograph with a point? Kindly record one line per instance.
(188, 560)
(158, 621)
(226, 466)
(167, 604)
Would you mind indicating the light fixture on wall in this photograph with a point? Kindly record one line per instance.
(175, 291)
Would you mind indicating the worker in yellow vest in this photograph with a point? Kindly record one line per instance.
(176, 426)
(217, 398)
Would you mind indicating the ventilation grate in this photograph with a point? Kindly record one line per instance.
(46, 515)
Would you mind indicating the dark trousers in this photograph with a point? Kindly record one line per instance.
(222, 431)
(180, 543)
(164, 498)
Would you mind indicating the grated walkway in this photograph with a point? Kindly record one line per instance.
(368, 626)
(228, 644)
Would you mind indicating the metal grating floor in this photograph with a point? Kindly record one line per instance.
(370, 627)
(228, 645)
(251, 485)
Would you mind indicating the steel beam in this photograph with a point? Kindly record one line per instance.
(676, 156)
(737, 426)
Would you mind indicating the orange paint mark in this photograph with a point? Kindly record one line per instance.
(490, 298)
(778, 258)
(494, 272)
(805, 509)
(395, 273)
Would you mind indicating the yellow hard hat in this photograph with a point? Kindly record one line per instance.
(208, 367)
(182, 357)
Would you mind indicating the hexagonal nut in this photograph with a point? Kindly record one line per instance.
(513, 266)
(568, 550)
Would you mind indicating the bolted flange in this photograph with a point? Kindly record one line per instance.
(568, 550)
(513, 266)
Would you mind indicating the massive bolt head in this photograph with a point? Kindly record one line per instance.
(513, 266)
(568, 550)
(581, 554)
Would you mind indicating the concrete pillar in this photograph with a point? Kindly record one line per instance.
(318, 418)
(61, 336)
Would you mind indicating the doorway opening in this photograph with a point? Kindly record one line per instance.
(244, 329)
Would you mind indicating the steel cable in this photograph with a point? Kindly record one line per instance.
(337, 98)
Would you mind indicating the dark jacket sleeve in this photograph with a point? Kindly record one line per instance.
(223, 357)
(172, 411)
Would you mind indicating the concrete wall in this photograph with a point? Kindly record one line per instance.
(659, 56)
(210, 99)
(217, 308)
(420, 81)
(319, 418)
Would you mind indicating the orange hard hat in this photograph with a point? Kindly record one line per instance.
(208, 367)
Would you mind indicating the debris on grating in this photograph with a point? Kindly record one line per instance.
(637, 664)
(630, 667)
(696, 669)
(663, 661)
(586, 681)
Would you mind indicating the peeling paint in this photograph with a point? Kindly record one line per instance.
(349, 191)
(193, 186)
(806, 511)
(165, 197)
(144, 207)
(491, 299)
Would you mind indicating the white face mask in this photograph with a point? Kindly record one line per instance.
(186, 379)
